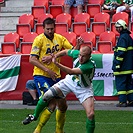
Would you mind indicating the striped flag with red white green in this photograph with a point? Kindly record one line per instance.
(9, 72)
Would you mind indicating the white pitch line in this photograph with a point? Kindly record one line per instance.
(99, 123)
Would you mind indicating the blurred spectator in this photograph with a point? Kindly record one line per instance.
(76, 3)
(127, 5)
(111, 4)
(31, 87)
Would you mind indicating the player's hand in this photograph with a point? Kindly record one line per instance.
(52, 74)
(80, 41)
(47, 59)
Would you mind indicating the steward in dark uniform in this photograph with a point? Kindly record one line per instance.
(123, 65)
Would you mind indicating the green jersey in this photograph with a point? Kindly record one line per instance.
(129, 2)
(110, 1)
(88, 69)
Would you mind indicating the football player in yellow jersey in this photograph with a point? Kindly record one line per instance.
(46, 73)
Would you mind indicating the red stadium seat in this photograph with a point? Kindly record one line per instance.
(92, 9)
(39, 28)
(37, 11)
(83, 17)
(26, 44)
(56, 7)
(25, 24)
(42, 17)
(22, 29)
(29, 37)
(100, 23)
(42, 3)
(55, 10)
(106, 42)
(25, 47)
(64, 18)
(96, 2)
(8, 48)
(81, 23)
(98, 28)
(104, 47)
(102, 17)
(121, 15)
(12, 37)
(27, 19)
(108, 36)
(61, 28)
(71, 37)
(89, 38)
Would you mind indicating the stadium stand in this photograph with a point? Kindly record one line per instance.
(40, 11)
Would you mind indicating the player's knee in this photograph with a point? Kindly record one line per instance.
(90, 115)
(49, 94)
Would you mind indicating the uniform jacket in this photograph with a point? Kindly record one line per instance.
(123, 54)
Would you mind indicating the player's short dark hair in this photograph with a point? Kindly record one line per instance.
(48, 21)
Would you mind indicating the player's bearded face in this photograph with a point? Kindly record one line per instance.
(49, 30)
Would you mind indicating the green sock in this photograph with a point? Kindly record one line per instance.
(90, 125)
(40, 106)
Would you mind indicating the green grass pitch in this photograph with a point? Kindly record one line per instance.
(106, 121)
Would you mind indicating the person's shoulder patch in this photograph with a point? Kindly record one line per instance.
(35, 49)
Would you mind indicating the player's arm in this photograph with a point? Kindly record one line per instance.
(65, 68)
(68, 70)
(34, 61)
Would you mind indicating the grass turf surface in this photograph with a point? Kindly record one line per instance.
(106, 121)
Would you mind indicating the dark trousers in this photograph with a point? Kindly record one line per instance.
(124, 87)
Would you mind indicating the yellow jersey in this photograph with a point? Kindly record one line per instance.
(42, 46)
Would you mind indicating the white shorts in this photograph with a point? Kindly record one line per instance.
(67, 85)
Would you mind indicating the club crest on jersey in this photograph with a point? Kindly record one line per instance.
(35, 49)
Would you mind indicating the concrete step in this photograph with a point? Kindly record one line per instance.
(19, 3)
(2, 15)
(16, 9)
(8, 23)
